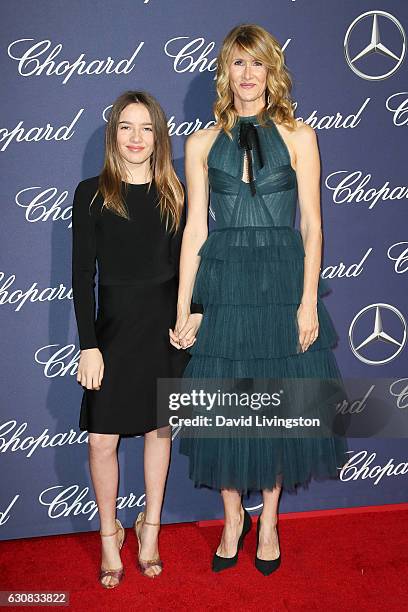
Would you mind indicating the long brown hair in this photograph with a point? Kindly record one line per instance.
(168, 185)
(264, 47)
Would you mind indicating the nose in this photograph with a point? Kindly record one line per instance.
(248, 70)
(136, 135)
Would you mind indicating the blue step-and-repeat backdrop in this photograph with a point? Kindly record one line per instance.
(62, 65)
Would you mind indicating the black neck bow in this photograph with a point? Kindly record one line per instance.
(249, 140)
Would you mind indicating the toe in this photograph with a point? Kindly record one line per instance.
(106, 580)
(157, 570)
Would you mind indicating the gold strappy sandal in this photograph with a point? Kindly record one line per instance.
(115, 573)
(143, 564)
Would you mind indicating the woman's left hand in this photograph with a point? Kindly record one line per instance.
(308, 325)
(185, 331)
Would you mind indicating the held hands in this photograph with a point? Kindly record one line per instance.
(90, 369)
(308, 325)
(185, 330)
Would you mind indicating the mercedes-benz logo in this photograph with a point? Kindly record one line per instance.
(375, 45)
(378, 334)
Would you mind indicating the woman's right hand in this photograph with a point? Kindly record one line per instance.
(90, 369)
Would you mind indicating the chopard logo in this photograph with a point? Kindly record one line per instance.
(359, 466)
(394, 343)
(334, 120)
(62, 501)
(195, 54)
(394, 53)
(34, 61)
(62, 361)
(183, 54)
(352, 187)
(37, 133)
(44, 204)
(14, 437)
(18, 297)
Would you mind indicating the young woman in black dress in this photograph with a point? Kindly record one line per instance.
(130, 220)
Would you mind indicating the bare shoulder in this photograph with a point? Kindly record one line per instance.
(302, 131)
(303, 136)
(298, 141)
(199, 142)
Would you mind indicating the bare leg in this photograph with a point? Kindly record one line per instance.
(103, 463)
(156, 464)
(268, 538)
(234, 521)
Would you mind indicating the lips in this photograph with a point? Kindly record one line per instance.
(135, 149)
(247, 85)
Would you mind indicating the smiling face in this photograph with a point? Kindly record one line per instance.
(135, 135)
(247, 78)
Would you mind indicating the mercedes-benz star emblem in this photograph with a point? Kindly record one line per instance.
(376, 45)
(378, 334)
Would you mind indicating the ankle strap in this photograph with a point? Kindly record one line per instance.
(106, 535)
(154, 524)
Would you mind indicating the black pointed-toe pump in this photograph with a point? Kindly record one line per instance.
(266, 567)
(222, 563)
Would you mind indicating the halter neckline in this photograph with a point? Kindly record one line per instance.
(243, 118)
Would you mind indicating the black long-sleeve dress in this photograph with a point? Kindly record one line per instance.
(137, 304)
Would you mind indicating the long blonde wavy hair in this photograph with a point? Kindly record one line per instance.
(264, 47)
(169, 187)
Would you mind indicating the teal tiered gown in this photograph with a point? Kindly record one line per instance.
(250, 282)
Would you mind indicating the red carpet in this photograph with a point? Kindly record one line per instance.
(331, 561)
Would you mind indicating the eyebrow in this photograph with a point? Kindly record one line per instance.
(130, 123)
(238, 57)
